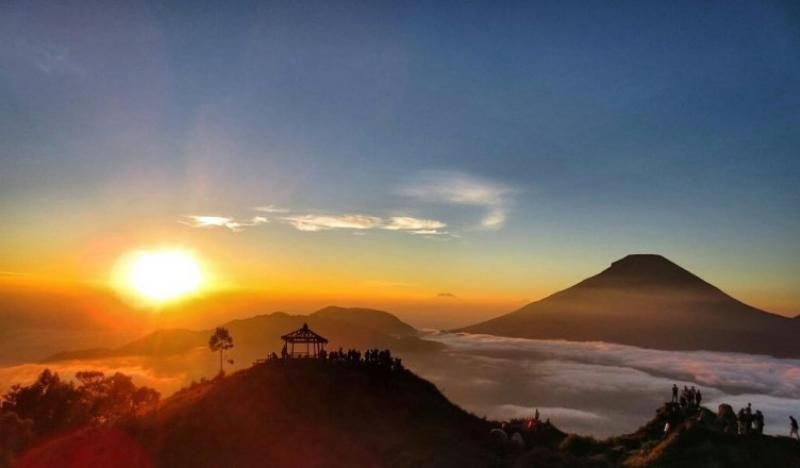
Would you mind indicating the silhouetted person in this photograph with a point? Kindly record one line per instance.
(698, 397)
(741, 418)
(284, 352)
(758, 419)
(674, 394)
(685, 398)
(793, 428)
(748, 419)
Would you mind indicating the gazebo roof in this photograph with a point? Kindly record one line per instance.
(303, 335)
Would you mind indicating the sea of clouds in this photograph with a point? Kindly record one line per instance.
(600, 388)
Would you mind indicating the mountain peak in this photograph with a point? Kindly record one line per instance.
(647, 300)
(645, 270)
(643, 259)
(640, 264)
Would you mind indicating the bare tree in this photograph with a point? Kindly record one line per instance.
(220, 341)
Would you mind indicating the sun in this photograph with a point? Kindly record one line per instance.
(159, 276)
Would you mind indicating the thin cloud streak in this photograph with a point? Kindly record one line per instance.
(402, 223)
(417, 226)
(321, 222)
(361, 222)
(203, 221)
(313, 223)
(271, 209)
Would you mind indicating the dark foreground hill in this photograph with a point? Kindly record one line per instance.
(648, 301)
(697, 438)
(301, 413)
(256, 336)
(315, 413)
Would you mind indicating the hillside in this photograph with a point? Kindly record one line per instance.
(698, 439)
(648, 301)
(345, 412)
(378, 320)
(256, 336)
(299, 413)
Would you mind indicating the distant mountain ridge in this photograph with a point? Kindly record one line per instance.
(258, 335)
(648, 301)
(370, 318)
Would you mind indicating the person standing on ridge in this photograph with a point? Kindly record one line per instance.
(759, 422)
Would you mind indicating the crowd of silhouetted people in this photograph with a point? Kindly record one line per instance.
(374, 358)
(687, 401)
(688, 398)
(749, 422)
(381, 358)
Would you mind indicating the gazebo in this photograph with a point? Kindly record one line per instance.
(314, 343)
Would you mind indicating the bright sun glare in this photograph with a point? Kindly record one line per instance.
(162, 275)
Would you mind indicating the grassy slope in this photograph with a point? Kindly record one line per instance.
(692, 443)
(327, 415)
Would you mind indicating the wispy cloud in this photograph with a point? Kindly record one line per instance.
(362, 222)
(359, 223)
(446, 295)
(495, 218)
(415, 225)
(50, 58)
(356, 222)
(202, 221)
(271, 209)
(463, 189)
(398, 223)
(312, 223)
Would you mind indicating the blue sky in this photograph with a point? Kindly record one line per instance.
(538, 133)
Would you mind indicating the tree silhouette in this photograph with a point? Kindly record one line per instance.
(51, 406)
(220, 341)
